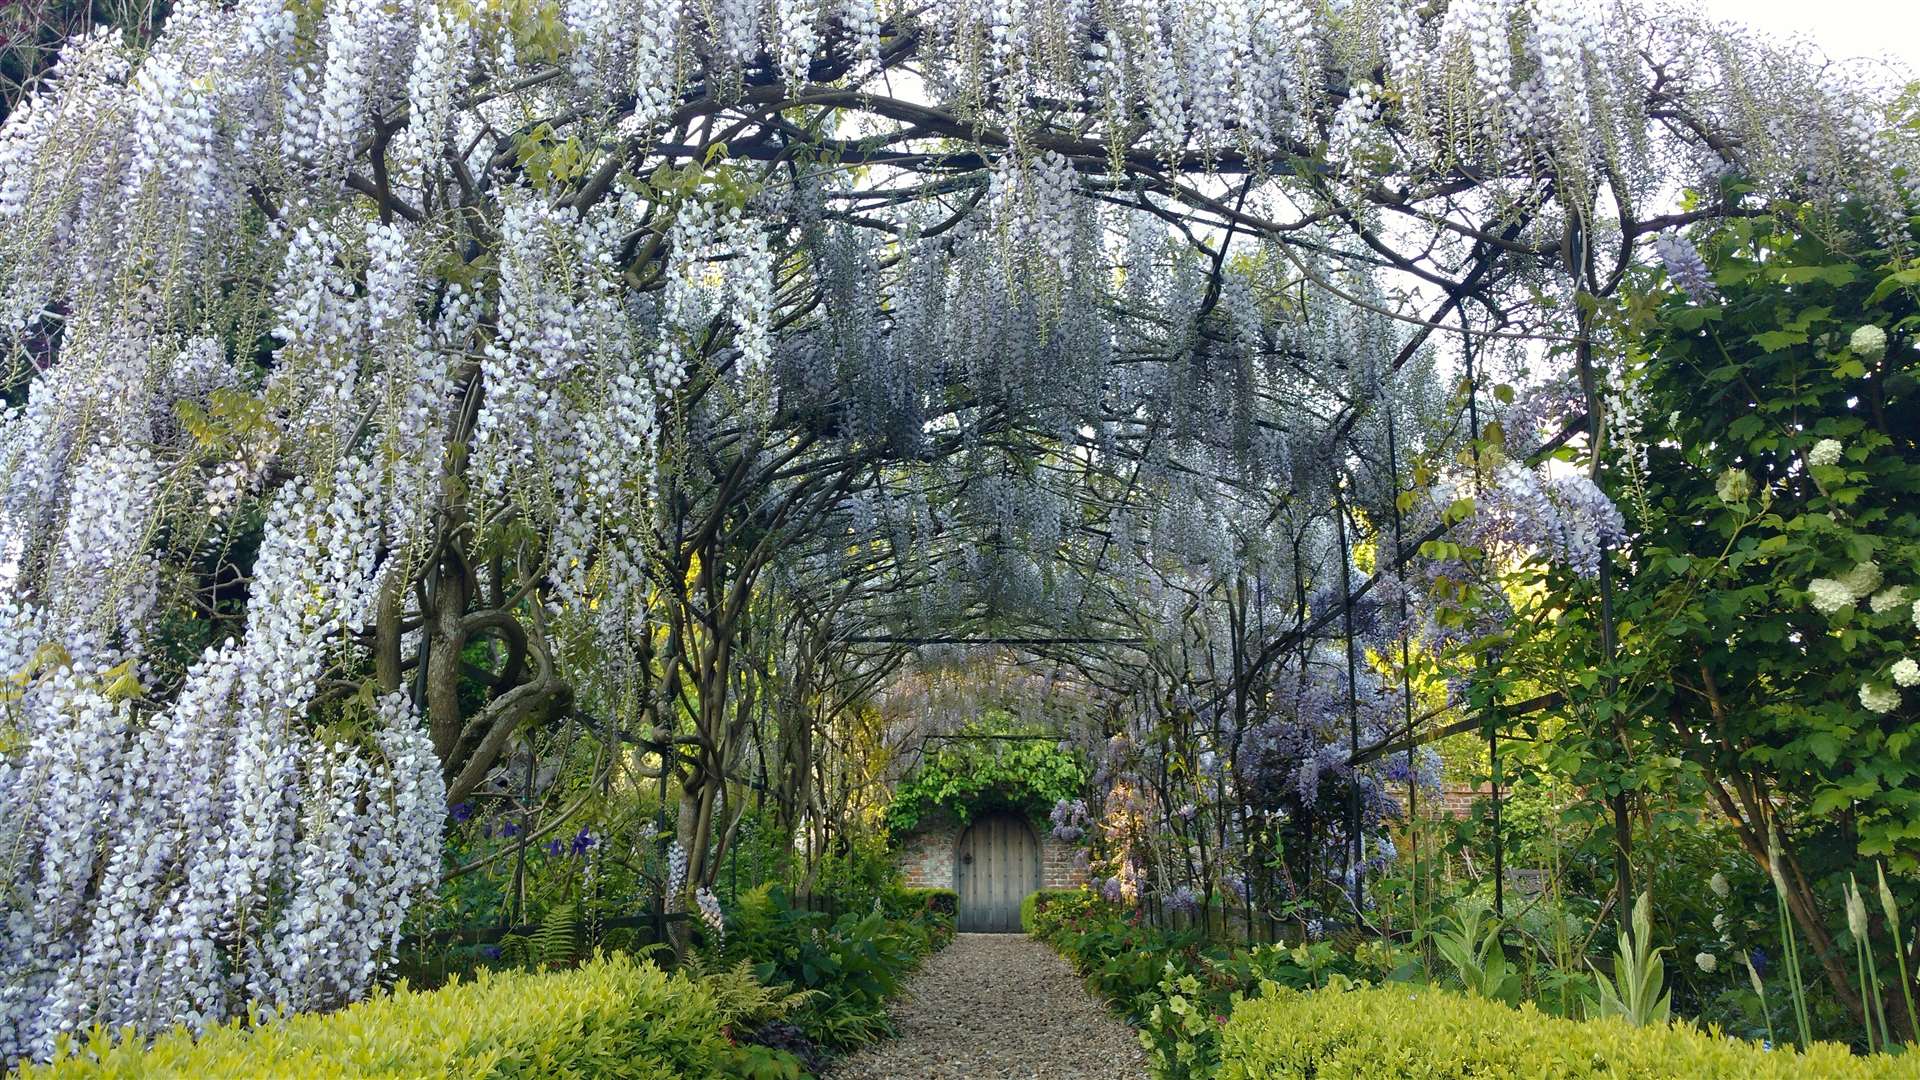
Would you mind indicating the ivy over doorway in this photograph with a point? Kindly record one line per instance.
(983, 769)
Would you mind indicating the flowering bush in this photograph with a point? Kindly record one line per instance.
(1767, 634)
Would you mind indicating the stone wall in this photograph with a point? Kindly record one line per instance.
(926, 857)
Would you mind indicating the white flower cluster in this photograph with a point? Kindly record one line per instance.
(1032, 206)
(676, 870)
(431, 84)
(750, 279)
(797, 26)
(710, 914)
(1879, 697)
(1869, 343)
(1352, 120)
(1830, 595)
(1825, 452)
(235, 858)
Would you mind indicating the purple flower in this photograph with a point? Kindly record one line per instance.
(555, 847)
(491, 952)
(461, 811)
(582, 840)
(1685, 267)
(509, 829)
(1070, 820)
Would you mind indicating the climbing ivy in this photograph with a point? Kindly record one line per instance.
(983, 771)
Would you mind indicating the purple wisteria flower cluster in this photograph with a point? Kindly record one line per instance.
(1070, 821)
(1685, 267)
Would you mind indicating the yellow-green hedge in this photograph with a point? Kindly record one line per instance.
(1396, 1031)
(614, 1017)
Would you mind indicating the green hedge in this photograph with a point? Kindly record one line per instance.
(937, 901)
(1037, 901)
(1441, 1035)
(612, 1017)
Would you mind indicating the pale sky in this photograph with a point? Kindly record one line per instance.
(1842, 28)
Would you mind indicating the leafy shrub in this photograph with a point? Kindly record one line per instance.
(1177, 987)
(1040, 899)
(1440, 1034)
(853, 964)
(612, 1017)
(903, 903)
(857, 874)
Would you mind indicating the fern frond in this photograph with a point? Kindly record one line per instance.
(553, 942)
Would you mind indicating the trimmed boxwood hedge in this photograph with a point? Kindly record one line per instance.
(612, 1017)
(1442, 1035)
(1037, 902)
(936, 901)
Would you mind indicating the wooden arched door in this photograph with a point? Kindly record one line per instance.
(996, 866)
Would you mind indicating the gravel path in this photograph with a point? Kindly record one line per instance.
(999, 1007)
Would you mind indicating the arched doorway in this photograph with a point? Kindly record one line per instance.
(995, 867)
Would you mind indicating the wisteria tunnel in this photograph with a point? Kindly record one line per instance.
(634, 517)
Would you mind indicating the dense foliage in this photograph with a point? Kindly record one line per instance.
(1026, 775)
(1209, 1006)
(850, 965)
(770, 995)
(1762, 627)
(1179, 987)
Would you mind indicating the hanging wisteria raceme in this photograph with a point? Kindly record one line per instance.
(238, 856)
(346, 336)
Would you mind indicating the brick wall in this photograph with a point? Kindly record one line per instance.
(1060, 865)
(926, 857)
(1452, 801)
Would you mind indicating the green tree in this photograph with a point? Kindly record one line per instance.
(1765, 612)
